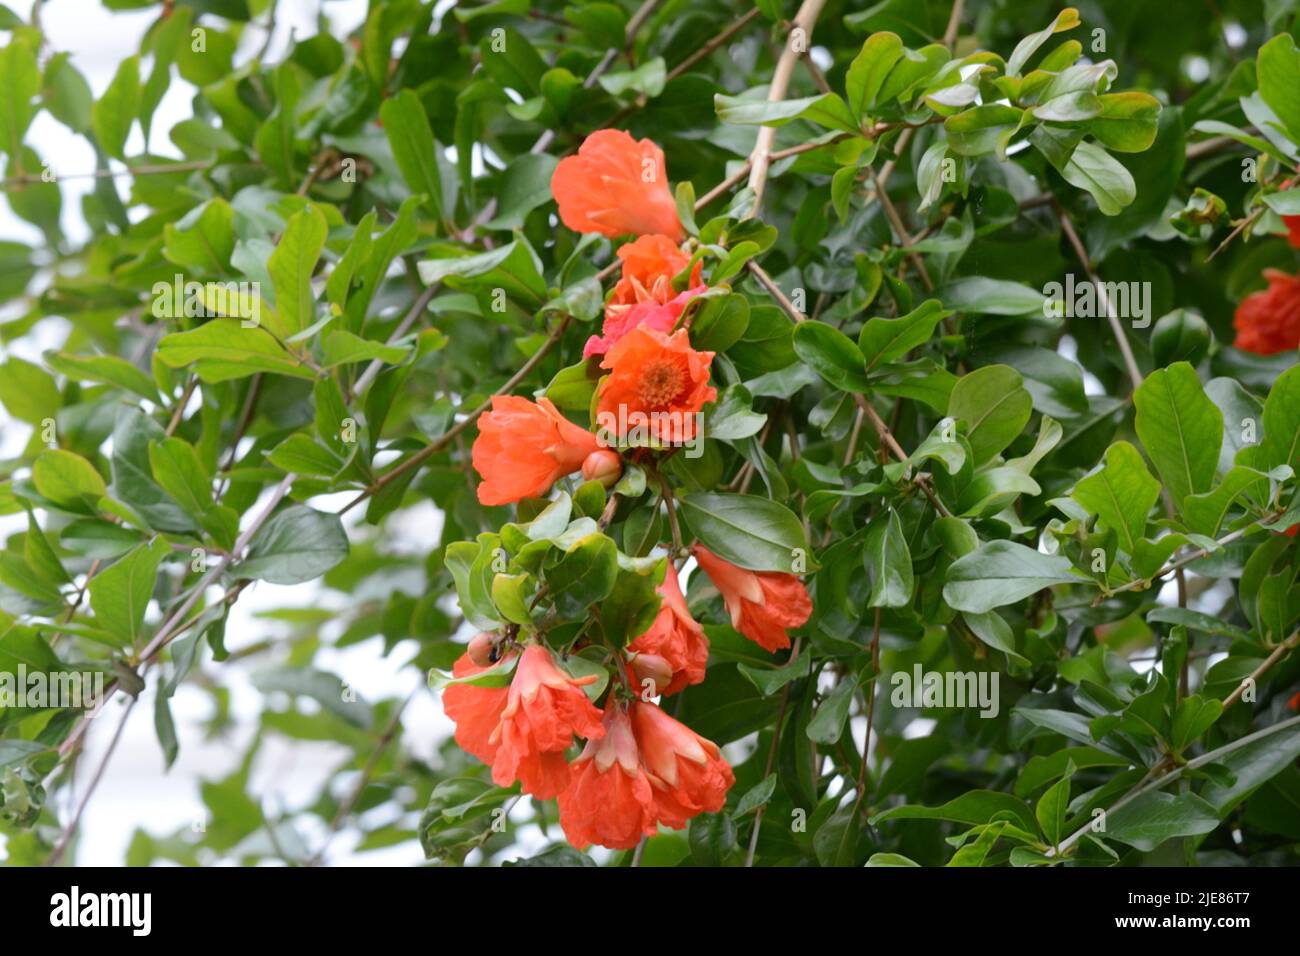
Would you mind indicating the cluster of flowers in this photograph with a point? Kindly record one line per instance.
(639, 768)
(1268, 321)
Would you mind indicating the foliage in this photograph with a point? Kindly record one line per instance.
(278, 346)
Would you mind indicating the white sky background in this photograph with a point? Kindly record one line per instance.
(136, 792)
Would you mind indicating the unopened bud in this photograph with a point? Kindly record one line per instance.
(482, 649)
(604, 466)
(652, 667)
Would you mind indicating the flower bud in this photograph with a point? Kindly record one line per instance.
(652, 667)
(604, 466)
(482, 649)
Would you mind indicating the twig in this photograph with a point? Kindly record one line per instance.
(1130, 363)
(771, 755)
(170, 627)
(70, 830)
(441, 442)
(761, 156)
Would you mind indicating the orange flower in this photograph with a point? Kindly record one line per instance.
(644, 295)
(475, 710)
(676, 637)
(544, 710)
(762, 604)
(649, 264)
(657, 382)
(610, 799)
(616, 185)
(687, 771)
(524, 447)
(652, 315)
(1268, 322)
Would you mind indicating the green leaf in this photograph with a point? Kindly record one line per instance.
(67, 479)
(28, 392)
(998, 573)
(1194, 716)
(1067, 19)
(995, 407)
(114, 112)
(832, 355)
(1180, 428)
(986, 296)
(120, 592)
(889, 561)
(1121, 493)
(973, 808)
(526, 184)
(827, 724)
(407, 127)
(202, 240)
(869, 69)
(176, 467)
(1051, 809)
(105, 369)
(291, 267)
(881, 341)
(1092, 168)
(751, 532)
(343, 348)
(223, 349)
(297, 545)
(827, 110)
(20, 77)
(1278, 65)
(1127, 121)
(1155, 817)
(982, 129)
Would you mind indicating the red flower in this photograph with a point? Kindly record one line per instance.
(614, 186)
(652, 315)
(610, 800)
(676, 637)
(687, 771)
(475, 710)
(1294, 702)
(657, 382)
(544, 710)
(524, 447)
(1293, 230)
(1268, 322)
(762, 604)
(644, 295)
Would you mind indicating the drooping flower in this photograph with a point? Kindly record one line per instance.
(1268, 321)
(475, 710)
(609, 800)
(616, 185)
(687, 771)
(657, 383)
(676, 637)
(762, 604)
(524, 447)
(545, 709)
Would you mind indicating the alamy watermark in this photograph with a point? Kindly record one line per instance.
(956, 689)
(1089, 300)
(82, 690)
(237, 300)
(636, 428)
